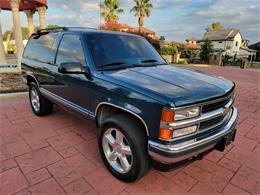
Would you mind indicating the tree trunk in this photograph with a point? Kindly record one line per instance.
(140, 22)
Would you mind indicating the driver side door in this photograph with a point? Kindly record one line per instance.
(71, 89)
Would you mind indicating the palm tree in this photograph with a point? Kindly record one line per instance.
(142, 9)
(110, 9)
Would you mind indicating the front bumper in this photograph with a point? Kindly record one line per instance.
(167, 153)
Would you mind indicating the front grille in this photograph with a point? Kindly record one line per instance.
(215, 105)
(211, 122)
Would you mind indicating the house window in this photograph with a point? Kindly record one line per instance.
(220, 42)
(236, 43)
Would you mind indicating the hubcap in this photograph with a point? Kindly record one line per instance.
(117, 150)
(35, 99)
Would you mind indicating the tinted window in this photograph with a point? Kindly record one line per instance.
(41, 48)
(70, 50)
(110, 48)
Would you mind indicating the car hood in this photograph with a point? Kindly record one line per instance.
(177, 86)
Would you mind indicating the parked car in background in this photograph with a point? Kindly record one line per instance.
(145, 109)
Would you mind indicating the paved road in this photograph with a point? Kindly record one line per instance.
(58, 153)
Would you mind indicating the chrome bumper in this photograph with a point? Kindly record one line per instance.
(167, 154)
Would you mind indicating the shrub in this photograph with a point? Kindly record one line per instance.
(169, 50)
(206, 50)
(183, 62)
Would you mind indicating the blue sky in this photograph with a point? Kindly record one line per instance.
(174, 19)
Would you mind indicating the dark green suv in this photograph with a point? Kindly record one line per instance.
(145, 109)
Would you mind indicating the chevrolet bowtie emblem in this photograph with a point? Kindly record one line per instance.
(226, 111)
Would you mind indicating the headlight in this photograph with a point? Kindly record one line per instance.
(186, 113)
(172, 115)
(168, 134)
(184, 131)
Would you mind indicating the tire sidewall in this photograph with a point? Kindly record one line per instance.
(136, 160)
(31, 86)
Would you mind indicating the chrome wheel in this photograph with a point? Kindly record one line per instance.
(35, 100)
(117, 150)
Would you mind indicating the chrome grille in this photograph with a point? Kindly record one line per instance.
(215, 105)
(214, 115)
(211, 122)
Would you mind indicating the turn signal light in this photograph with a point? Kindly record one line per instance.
(165, 134)
(167, 115)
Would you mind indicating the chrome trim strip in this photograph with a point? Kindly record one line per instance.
(227, 117)
(205, 102)
(110, 104)
(175, 150)
(67, 103)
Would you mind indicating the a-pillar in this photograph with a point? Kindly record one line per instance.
(2, 49)
(14, 4)
(29, 14)
(41, 11)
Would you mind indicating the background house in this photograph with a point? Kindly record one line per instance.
(229, 41)
(130, 29)
(229, 46)
(256, 47)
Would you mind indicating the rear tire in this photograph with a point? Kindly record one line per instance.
(40, 105)
(132, 150)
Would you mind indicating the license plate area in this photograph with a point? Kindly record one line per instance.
(228, 139)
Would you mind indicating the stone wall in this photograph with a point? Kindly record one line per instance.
(12, 82)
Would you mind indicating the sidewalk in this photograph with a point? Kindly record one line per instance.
(58, 154)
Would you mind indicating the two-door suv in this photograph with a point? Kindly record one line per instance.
(146, 110)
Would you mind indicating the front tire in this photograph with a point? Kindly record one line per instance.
(123, 147)
(39, 104)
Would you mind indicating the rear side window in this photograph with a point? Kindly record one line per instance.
(70, 50)
(41, 48)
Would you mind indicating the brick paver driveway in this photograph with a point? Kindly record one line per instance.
(59, 154)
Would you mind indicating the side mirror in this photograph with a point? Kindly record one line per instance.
(73, 68)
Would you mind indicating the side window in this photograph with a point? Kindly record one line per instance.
(70, 50)
(41, 47)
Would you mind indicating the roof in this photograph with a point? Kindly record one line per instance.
(255, 46)
(192, 46)
(141, 29)
(247, 49)
(146, 30)
(84, 30)
(113, 25)
(191, 39)
(223, 34)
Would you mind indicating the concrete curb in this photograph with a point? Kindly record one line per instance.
(10, 95)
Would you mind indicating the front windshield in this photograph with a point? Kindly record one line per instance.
(122, 51)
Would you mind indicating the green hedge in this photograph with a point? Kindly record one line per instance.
(169, 50)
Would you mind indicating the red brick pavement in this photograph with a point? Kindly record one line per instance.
(58, 154)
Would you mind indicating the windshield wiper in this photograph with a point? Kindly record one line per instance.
(149, 60)
(112, 64)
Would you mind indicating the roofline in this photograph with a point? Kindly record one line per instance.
(202, 40)
(66, 29)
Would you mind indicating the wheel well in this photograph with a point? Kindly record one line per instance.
(30, 79)
(105, 111)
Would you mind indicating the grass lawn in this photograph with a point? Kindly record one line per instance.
(255, 65)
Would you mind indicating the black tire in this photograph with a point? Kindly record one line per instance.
(137, 140)
(45, 105)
